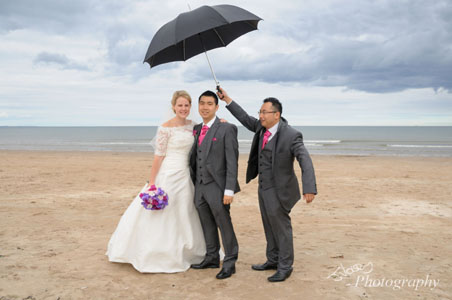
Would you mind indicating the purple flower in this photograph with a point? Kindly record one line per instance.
(155, 201)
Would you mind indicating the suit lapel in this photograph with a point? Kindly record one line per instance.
(197, 132)
(275, 142)
(253, 160)
(193, 154)
(210, 134)
(259, 139)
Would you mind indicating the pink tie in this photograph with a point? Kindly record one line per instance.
(267, 134)
(203, 134)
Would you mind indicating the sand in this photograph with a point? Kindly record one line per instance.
(380, 228)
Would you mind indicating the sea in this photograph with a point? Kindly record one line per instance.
(420, 141)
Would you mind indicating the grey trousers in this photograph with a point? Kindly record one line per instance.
(278, 230)
(214, 214)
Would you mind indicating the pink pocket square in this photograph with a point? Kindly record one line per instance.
(214, 139)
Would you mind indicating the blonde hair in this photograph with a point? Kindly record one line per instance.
(178, 94)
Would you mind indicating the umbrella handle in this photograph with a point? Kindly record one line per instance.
(219, 91)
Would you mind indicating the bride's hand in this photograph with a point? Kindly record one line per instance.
(151, 187)
(223, 120)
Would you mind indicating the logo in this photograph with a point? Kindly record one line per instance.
(364, 278)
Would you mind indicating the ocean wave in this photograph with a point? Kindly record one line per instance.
(324, 141)
(121, 143)
(419, 146)
(311, 142)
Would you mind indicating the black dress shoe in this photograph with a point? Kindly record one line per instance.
(280, 275)
(264, 266)
(226, 272)
(205, 264)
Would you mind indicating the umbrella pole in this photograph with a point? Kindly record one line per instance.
(208, 60)
(210, 65)
(211, 70)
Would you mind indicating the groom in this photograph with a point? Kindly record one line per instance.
(273, 150)
(213, 168)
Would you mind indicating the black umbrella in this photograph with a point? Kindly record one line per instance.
(199, 30)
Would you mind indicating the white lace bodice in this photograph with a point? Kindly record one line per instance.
(174, 140)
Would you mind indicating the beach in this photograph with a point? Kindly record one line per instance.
(380, 228)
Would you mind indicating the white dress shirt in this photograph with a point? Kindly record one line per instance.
(273, 131)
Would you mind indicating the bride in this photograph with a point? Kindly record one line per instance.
(167, 240)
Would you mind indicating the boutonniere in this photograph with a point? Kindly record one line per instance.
(195, 132)
(214, 139)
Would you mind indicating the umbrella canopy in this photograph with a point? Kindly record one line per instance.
(199, 30)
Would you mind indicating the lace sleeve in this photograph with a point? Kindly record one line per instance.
(161, 141)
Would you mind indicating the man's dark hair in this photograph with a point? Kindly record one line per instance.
(275, 103)
(209, 94)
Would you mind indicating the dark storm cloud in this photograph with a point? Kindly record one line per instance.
(59, 60)
(379, 46)
(98, 19)
(372, 46)
(47, 15)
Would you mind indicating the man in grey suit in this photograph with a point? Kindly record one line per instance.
(213, 168)
(274, 147)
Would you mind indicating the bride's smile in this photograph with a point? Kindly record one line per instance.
(182, 107)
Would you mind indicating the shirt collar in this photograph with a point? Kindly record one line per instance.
(273, 129)
(210, 122)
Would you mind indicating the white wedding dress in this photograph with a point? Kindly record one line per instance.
(167, 240)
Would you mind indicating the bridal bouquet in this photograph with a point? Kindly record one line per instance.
(156, 199)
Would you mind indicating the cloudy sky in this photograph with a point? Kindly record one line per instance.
(79, 63)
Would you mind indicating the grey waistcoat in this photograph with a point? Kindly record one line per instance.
(202, 175)
(265, 166)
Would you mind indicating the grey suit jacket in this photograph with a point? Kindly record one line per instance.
(222, 154)
(288, 145)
